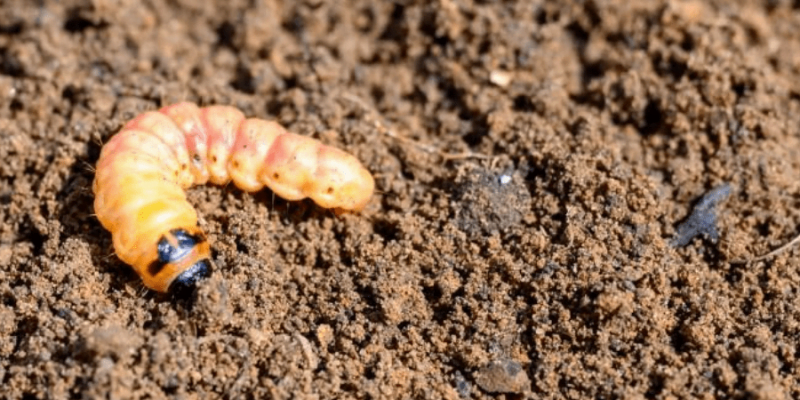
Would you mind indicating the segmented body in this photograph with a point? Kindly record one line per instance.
(143, 171)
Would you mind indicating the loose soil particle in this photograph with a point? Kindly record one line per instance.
(533, 159)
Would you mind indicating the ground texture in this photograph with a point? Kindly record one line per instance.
(535, 160)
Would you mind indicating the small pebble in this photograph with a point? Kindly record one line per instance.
(500, 78)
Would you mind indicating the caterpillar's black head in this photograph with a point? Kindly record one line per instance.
(186, 251)
(184, 285)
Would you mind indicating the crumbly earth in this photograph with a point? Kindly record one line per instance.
(533, 160)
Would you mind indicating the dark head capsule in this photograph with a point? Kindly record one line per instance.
(184, 285)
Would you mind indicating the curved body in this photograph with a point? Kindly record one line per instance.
(143, 171)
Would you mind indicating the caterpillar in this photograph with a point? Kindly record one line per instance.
(143, 171)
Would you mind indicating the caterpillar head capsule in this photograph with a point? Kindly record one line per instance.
(185, 284)
(182, 261)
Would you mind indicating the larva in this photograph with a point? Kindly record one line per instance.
(143, 171)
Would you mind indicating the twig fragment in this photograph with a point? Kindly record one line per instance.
(381, 126)
(769, 255)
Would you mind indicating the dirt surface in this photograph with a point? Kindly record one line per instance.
(533, 160)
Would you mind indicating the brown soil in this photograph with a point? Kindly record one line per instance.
(533, 159)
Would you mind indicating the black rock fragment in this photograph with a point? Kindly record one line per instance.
(703, 219)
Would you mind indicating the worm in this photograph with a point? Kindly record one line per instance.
(143, 171)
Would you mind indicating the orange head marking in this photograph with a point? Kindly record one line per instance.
(182, 261)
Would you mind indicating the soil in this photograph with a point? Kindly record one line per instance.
(533, 160)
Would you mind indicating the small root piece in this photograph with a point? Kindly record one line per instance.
(460, 156)
(771, 254)
(381, 126)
